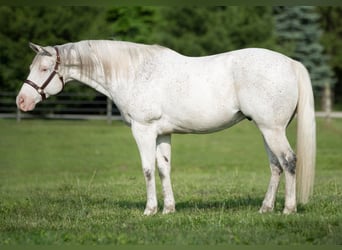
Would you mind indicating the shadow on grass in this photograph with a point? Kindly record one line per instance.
(80, 201)
(84, 201)
(233, 204)
(226, 204)
(241, 203)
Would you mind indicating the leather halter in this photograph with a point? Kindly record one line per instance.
(41, 89)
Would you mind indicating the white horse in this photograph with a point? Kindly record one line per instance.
(160, 92)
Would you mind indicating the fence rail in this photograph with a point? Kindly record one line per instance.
(90, 106)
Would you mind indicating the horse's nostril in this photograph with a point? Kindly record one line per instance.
(21, 100)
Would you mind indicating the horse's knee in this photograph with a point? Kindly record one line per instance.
(148, 173)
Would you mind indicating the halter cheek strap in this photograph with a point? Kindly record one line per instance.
(40, 89)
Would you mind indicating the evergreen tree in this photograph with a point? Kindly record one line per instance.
(298, 33)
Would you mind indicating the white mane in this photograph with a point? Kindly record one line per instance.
(115, 59)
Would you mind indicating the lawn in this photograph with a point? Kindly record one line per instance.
(80, 182)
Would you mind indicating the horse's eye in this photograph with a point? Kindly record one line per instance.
(44, 70)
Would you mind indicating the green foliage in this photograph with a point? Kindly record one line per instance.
(298, 33)
(199, 31)
(42, 25)
(136, 24)
(80, 182)
(331, 39)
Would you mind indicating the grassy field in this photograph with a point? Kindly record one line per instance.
(80, 182)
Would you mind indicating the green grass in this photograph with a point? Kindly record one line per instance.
(80, 182)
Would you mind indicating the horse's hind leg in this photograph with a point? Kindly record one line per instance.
(281, 156)
(276, 171)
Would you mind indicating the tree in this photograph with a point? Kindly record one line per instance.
(331, 22)
(45, 26)
(135, 24)
(199, 31)
(298, 34)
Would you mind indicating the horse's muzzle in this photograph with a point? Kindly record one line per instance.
(25, 103)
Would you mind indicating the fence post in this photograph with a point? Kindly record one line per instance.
(109, 111)
(327, 102)
(18, 115)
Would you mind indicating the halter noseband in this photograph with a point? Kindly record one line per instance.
(40, 90)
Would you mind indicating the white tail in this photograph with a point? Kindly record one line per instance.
(306, 136)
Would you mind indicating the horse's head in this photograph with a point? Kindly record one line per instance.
(44, 79)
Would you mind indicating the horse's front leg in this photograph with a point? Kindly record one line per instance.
(145, 137)
(164, 167)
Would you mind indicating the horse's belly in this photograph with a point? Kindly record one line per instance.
(201, 121)
(202, 102)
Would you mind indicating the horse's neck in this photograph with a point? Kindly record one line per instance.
(84, 69)
(97, 84)
(105, 65)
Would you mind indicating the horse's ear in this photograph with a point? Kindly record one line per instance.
(39, 49)
(36, 48)
(45, 52)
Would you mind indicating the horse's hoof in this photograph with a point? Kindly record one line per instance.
(150, 211)
(169, 209)
(289, 210)
(265, 209)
